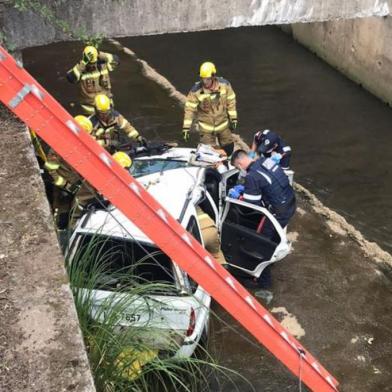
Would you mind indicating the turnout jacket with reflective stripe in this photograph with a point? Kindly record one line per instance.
(109, 132)
(93, 78)
(266, 182)
(213, 109)
(62, 174)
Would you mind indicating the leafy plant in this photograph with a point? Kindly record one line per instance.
(121, 357)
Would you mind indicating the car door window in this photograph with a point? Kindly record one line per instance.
(229, 179)
(243, 242)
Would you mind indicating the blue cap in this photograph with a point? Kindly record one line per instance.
(268, 140)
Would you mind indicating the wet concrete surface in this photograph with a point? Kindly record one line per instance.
(338, 296)
(333, 294)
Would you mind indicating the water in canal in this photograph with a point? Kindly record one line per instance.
(340, 134)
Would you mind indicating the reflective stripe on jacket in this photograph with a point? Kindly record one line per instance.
(58, 169)
(109, 132)
(212, 109)
(93, 78)
(267, 182)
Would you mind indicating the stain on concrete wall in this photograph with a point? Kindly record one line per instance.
(262, 12)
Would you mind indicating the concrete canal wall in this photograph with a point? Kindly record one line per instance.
(41, 347)
(359, 48)
(118, 18)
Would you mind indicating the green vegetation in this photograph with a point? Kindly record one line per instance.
(49, 16)
(121, 357)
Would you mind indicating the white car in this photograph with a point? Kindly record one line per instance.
(181, 179)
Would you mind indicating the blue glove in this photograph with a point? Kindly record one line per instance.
(276, 157)
(234, 194)
(252, 154)
(236, 191)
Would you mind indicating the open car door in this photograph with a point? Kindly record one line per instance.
(245, 247)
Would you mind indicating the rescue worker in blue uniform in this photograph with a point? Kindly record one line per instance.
(269, 144)
(266, 184)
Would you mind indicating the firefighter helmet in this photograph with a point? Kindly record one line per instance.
(102, 103)
(207, 70)
(122, 159)
(85, 123)
(90, 54)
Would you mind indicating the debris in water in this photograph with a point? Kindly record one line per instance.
(293, 236)
(370, 340)
(361, 358)
(355, 340)
(290, 322)
(376, 370)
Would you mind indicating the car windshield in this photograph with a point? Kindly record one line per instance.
(143, 167)
(109, 263)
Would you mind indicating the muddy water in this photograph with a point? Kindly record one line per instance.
(340, 135)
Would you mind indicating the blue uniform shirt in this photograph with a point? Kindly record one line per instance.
(267, 183)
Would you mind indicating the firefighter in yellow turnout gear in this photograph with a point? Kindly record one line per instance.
(63, 176)
(108, 125)
(67, 180)
(92, 75)
(212, 103)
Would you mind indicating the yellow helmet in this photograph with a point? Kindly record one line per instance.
(85, 123)
(90, 54)
(207, 70)
(122, 159)
(102, 103)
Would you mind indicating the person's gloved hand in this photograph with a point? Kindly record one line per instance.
(99, 132)
(185, 134)
(276, 157)
(87, 58)
(252, 154)
(236, 191)
(142, 141)
(73, 188)
(233, 124)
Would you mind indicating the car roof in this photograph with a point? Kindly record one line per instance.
(170, 188)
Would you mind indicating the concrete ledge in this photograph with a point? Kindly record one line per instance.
(41, 347)
(118, 18)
